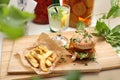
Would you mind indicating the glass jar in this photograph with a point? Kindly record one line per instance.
(80, 11)
(41, 11)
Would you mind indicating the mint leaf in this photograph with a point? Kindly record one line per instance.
(104, 16)
(57, 15)
(113, 39)
(113, 12)
(102, 28)
(116, 29)
(116, 13)
(111, 36)
(114, 2)
(80, 26)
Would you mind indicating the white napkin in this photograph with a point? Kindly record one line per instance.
(29, 7)
(31, 4)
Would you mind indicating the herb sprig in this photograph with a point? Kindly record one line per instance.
(112, 36)
(114, 10)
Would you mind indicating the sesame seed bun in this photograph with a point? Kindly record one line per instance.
(82, 42)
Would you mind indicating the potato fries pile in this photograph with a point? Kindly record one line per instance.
(41, 57)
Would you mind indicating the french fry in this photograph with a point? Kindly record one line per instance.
(41, 57)
(43, 48)
(39, 51)
(49, 53)
(48, 63)
(36, 55)
(52, 58)
(42, 65)
(32, 60)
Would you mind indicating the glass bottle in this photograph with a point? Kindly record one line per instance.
(41, 14)
(81, 10)
(41, 11)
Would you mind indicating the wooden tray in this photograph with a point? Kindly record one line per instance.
(105, 55)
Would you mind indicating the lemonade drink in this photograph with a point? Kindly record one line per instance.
(58, 17)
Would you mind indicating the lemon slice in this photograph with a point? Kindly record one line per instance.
(63, 20)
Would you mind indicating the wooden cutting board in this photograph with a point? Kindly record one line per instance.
(105, 55)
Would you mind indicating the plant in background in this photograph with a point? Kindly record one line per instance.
(112, 36)
(4, 1)
(13, 21)
(72, 75)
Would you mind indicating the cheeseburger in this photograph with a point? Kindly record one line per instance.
(82, 45)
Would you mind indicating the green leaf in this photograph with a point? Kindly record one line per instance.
(73, 75)
(116, 13)
(12, 31)
(114, 2)
(118, 51)
(57, 15)
(113, 11)
(82, 55)
(102, 28)
(4, 1)
(104, 16)
(116, 29)
(13, 21)
(114, 40)
(17, 14)
(80, 26)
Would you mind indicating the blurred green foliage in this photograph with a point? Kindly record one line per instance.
(13, 21)
(4, 1)
(72, 75)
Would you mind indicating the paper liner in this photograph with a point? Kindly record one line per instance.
(43, 40)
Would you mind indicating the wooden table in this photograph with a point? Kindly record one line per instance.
(6, 54)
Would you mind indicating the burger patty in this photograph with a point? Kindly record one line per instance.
(87, 52)
(72, 50)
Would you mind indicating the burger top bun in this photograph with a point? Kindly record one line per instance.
(82, 40)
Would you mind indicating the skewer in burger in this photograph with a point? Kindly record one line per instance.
(82, 45)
